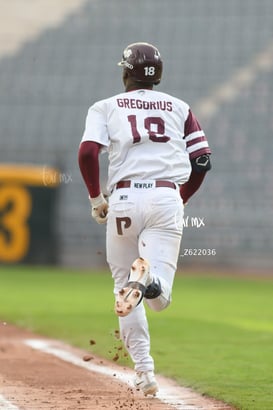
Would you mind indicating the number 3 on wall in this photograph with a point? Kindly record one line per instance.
(15, 208)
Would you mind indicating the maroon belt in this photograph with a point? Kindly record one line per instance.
(158, 184)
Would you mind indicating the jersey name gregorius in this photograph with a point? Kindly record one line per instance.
(148, 135)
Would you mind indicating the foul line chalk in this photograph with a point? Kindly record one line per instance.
(6, 405)
(167, 394)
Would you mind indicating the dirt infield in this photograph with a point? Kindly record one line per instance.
(32, 379)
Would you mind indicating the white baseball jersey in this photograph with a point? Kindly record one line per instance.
(143, 132)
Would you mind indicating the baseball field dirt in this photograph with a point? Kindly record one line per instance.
(32, 378)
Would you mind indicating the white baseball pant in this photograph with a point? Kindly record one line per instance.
(143, 221)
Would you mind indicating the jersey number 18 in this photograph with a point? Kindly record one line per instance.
(155, 136)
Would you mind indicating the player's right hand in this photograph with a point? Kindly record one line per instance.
(99, 209)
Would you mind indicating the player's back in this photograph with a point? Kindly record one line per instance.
(146, 130)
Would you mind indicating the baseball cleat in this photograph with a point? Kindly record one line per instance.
(146, 382)
(127, 299)
(130, 296)
(140, 272)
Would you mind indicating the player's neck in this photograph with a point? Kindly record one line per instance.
(131, 85)
(137, 86)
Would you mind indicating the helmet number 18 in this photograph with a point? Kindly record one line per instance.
(149, 71)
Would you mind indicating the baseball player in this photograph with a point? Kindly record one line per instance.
(158, 158)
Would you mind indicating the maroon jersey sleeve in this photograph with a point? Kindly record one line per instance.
(192, 185)
(197, 145)
(196, 141)
(88, 157)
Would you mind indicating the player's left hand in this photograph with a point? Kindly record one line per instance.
(99, 209)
